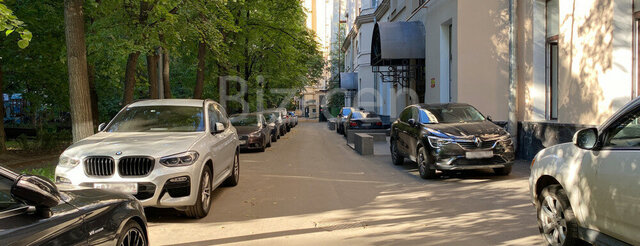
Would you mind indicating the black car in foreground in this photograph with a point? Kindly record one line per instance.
(450, 137)
(34, 212)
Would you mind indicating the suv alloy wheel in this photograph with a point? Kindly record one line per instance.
(203, 203)
(424, 164)
(556, 220)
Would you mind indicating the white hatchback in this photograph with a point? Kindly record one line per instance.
(168, 153)
(590, 189)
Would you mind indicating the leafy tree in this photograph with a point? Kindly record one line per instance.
(9, 23)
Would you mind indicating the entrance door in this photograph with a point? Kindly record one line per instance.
(446, 61)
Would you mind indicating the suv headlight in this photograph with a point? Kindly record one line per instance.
(67, 161)
(437, 142)
(254, 134)
(180, 159)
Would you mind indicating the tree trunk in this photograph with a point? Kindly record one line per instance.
(79, 97)
(130, 78)
(197, 92)
(94, 95)
(3, 146)
(165, 74)
(152, 74)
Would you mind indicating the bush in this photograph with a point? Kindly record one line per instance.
(47, 172)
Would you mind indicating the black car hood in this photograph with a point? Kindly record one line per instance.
(246, 130)
(483, 129)
(85, 198)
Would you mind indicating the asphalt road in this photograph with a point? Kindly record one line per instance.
(310, 188)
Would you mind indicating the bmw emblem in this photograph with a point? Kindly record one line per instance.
(119, 153)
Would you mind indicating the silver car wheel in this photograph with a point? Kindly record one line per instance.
(236, 167)
(206, 191)
(554, 225)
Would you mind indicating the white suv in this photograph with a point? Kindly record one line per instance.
(590, 189)
(168, 153)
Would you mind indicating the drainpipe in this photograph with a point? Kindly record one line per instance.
(512, 124)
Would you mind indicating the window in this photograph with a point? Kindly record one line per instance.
(374, 3)
(213, 117)
(406, 114)
(222, 115)
(626, 133)
(6, 201)
(552, 31)
(158, 119)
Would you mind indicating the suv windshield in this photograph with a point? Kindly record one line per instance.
(159, 119)
(450, 114)
(244, 120)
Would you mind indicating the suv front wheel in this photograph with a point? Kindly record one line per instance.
(424, 164)
(556, 219)
(203, 203)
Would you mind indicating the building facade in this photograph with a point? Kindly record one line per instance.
(543, 68)
(323, 19)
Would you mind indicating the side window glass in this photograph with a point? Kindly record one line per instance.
(626, 133)
(415, 114)
(6, 201)
(213, 117)
(222, 115)
(405, 115)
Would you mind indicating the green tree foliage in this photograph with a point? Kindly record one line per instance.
(9, 23)
(263, 42)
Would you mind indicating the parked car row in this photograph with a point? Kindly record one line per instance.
(257, 131)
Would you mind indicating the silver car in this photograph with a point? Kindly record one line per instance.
(168, 153)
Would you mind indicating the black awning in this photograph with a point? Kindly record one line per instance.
(395, 43)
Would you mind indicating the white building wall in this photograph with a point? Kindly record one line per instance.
(438, 16)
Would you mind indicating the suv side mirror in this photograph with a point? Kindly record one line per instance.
(102, 126)
(218, 128)
(412, 122)
(586, 138)
(489, 118)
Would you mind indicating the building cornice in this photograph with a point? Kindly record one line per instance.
(381, 9)
(362, 19)
(347, 39)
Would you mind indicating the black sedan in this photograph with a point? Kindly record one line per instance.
(362, 120)
(449, 137)
(253, 131)
(34, 212)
